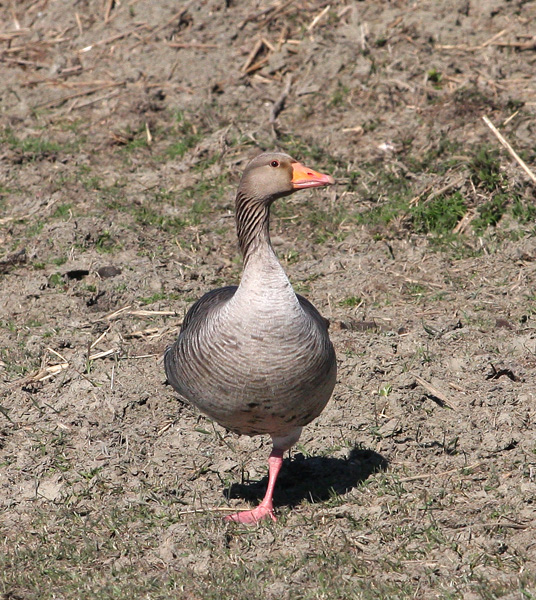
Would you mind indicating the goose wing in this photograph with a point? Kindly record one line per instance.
(309, 308)
(198, 314)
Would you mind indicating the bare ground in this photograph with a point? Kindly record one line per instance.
(124, 129)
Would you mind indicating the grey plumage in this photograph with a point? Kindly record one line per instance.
(257, 358)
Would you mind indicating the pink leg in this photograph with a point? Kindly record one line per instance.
(265, 508)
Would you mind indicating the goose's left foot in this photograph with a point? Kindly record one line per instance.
(265, 509)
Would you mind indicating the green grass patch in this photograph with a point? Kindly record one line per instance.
(339, 96)
(32, 148)
(485, 170)
(490, 213)
(351, 301)
(524, 211)
(187, 134)
(303, 150)
(158, 296)
(146, 215)
(34, 229)
(106, 244)
(63, 211)
(440, 215)
(435, 77)
(56, 280)
(389, 195)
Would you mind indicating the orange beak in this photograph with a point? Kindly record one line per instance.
(303, 177)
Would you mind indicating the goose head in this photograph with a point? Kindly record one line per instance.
(273, 175)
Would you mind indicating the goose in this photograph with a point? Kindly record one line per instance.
(257, 358)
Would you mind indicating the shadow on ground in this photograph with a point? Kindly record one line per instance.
(315, 478)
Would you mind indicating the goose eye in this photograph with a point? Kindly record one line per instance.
(274, 163)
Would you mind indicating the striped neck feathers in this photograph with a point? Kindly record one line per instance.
(252, 224)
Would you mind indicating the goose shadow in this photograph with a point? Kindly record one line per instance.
(314, 478)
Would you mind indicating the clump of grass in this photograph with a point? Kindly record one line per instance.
(524, 212)
(158, 296)
(63, 211)
(490, 213)
(435, 77)
(351, 301)
(146, 215)
(438, 159)
(416, 290)
(188, 136)
(32, 148)
(132, 139)
(486, 175)
(56, 280)
(34, 229)
(326, 224)
(485, 170)
(339, 95)
(105, 243)
(440, 215)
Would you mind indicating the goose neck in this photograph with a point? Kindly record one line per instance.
(253, 227)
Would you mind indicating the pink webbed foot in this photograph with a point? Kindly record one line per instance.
(250, 517)
(265, 509)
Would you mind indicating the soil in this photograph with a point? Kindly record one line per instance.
(125, 127)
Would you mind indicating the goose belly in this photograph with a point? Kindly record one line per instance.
(260, 378)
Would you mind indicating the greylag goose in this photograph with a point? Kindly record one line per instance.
(257, 358)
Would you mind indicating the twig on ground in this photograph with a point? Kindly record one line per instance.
(176, 17)
(271, 11)
(279, 104)
(67, 84)
(252, 55)
(465, 221)
(473, 48)
(429, 475)
(108, 10)
(416, 281)
(512, 116)
(192, 45)
(79, 23)
(100, 338)
(56, 353)
(139, 356)
(277, 10)
(518, 45)
(49, 372)
(103, 354)
(115, 314)
(512, 152)
(150, 332)
(26, 63)
(255, 16)
(76, 106)
(455, 183)
(435, 393)
(152, 313)
(493, 38)
(319, 16)
(63, 99)
(194, 511)
(114, 38)
(7, 36)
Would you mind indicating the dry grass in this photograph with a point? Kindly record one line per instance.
(418, 481)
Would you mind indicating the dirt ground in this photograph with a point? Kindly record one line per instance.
(124, 128)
